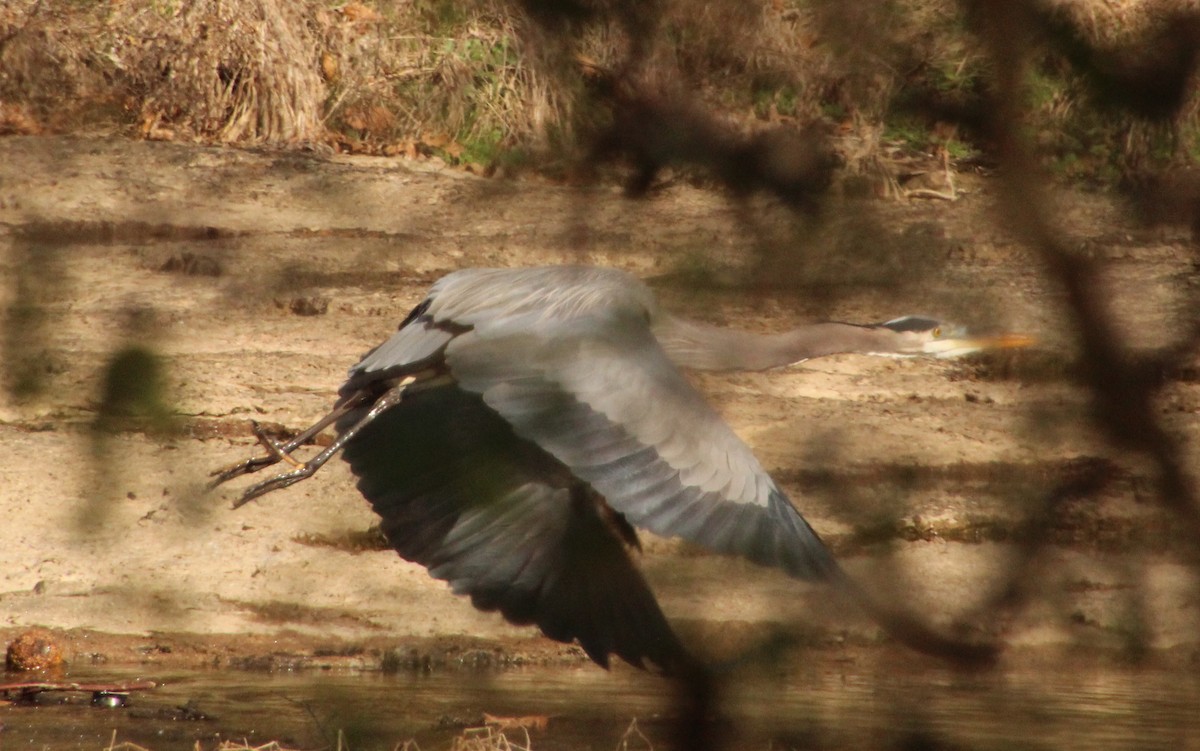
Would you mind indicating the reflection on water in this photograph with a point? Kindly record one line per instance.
(823, 704)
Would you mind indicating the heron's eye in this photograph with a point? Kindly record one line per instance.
(937, 332)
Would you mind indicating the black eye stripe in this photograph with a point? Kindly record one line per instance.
(913, 323)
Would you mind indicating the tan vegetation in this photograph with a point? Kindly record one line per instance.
(483, 83)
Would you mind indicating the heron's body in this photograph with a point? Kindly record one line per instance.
(562, 424)
(521, 424)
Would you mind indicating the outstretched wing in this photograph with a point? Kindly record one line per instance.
(508, 525)
(504, 480)
(602, 398)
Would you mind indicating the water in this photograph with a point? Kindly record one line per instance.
(824, 705)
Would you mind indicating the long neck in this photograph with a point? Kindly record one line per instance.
(698, 346)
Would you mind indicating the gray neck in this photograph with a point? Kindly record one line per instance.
(698, 346)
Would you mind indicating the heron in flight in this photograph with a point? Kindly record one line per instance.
(522, 423)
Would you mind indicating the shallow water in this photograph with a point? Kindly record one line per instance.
(826, 705)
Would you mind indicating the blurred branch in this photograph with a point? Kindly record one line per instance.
(38, 283)
(1122, 390)
(1148, 76)
(655, 127)
(1088, 479)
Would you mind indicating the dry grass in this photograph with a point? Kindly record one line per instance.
(473, 80)
(242, 72)
(490, 737)
(235, 72)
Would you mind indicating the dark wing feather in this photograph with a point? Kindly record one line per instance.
(506, 524)
(607, 403)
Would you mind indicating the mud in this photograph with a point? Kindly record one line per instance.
(258, 278)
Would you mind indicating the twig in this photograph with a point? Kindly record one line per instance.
(631, 731)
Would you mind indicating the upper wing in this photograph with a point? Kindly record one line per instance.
(418, 344)
(602, 398)
(498, 482)
(506, 524)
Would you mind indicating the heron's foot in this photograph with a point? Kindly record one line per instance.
(278, 482)
(252, 464)
(276, 454)
(282, 452)
(279, 453)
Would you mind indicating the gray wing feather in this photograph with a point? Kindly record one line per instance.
(564, 401)
(606, 402)
(480, 297)
(410, 346)
(418, 344)
(507, 525)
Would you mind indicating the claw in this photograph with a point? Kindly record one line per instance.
(276, 450)
(282, 452)
(278, 482)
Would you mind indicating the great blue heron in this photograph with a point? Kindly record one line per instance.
(521, 422)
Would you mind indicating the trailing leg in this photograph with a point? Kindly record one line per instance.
(279, 452)
(389, 399)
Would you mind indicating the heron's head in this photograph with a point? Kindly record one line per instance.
(916, 336)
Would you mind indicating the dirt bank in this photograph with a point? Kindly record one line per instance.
(260, 277)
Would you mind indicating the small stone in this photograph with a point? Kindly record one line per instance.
(33, 651)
